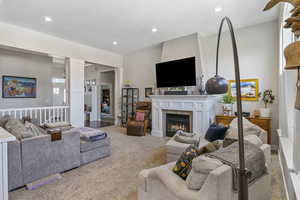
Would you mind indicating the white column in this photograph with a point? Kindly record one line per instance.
(95, 114)
(118, 91)
(4, 138)
(76, 86)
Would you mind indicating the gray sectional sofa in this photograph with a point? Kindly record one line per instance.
(34, 158)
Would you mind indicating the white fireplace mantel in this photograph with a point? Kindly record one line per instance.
(5, 137)
(203, 108)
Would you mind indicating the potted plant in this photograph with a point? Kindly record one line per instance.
(268, 99)
(228, 102)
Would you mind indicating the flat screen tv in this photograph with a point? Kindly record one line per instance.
(176, 73)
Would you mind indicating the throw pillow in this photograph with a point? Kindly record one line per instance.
(140, 116)
(37, 131)
(18, 129)
(201, 167)
(249, 129)
(183, 165)
(210, 147)
(4, 120)
(186, 140)
(216, 132)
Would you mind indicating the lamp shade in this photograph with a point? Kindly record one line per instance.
(216, 85)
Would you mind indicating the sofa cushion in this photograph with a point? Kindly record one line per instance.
(18, 129)
(183, 165)
(216, 132)
(88, 145)
(57, 125)
(4, 120)
(201, 167)
(248, 127)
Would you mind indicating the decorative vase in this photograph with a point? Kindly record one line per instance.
(228, 109)
(265, 112)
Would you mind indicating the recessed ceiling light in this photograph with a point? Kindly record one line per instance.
(48, 19)
(154, 30)
(115, 43)
(218, 9)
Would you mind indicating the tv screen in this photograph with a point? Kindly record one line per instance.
(177, 73)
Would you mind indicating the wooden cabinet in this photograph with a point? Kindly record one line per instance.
(264, 123)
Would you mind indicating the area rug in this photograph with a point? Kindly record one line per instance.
(115, 177)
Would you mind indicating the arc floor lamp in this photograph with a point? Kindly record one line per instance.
(219, 85)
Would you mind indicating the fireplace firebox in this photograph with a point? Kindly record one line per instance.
(177, 121)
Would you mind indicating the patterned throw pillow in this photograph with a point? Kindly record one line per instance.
(184, 164)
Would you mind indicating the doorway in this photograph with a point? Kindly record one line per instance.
(99, 95)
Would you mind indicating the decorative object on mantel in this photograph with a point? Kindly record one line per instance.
(228, 102)
(268, 99)
(249, 89)
(201, 86)
(218, 85)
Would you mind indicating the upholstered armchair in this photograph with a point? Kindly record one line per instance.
(140, 124)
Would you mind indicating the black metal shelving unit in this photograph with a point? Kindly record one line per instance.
(130, 96)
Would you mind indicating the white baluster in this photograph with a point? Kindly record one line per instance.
(15, 114)
(45, 115)
(61, 114)
(50, 115)
(65, 113)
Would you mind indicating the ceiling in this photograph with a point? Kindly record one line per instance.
(129, 22)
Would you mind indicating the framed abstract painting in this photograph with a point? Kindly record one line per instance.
(249, 89)
(18, 87)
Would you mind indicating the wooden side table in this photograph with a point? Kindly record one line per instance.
(262, 122)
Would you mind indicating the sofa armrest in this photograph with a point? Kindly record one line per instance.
(267, 152)
(218, 185)
(41, 157)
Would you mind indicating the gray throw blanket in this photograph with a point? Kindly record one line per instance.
(254, 158)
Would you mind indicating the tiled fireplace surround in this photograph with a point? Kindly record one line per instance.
(201, 108)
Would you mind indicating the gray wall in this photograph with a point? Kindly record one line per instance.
(28, 65)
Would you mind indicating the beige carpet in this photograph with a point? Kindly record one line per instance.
(115, 178)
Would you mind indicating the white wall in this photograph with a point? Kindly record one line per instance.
(258, 50)
(139, 68)
(258, 53)
(15, 63)
(23, 38)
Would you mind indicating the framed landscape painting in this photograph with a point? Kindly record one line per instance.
(249, 89)
(18, 87)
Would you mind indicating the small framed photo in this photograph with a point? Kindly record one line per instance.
(148, 92)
